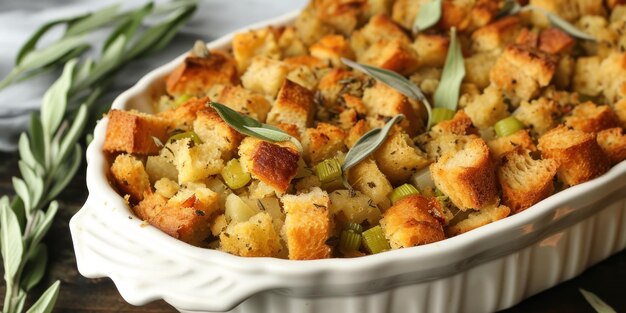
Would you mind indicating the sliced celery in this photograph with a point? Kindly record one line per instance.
(402, 192)
(442, 114)
(182, 99)
(349, 240)
(507, 126)
(374, 240)
(234, 175)
(328, 170)
(190, 134)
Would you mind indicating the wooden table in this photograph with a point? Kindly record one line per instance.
(79, 294)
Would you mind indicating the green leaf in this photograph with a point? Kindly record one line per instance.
(395, 81)
(46, 302)
(37, 138)
(172, 30)
(10, 240)
(567, 27)
(368, 143)
(26, 155)
(55, 100)
(35, 267)
(71, 137)
(251, 127)
(128, 27)
(92, 21)
(597, 303)
(429, 14)
(44, 225)
(22, 191)
(21, 299)
(49, 54)
(34, 39)
(509, 7)
(447, 93)
(65, 174)
(33, 181)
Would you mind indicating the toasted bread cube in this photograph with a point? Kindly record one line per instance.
(211, 128)
(166, 187)
(496, 35)
(196, 75)
(486, 109)
(264, 76)
(254, 43)
(245, 101)
(607, 36)
(413, 221)
(394, 55)
(332, 48)
(432, 49)
(355, 110)
(294, 105)
(290, 44)
(592, 118)
(456, 14)
(134, 132)
(342, 15)
(587, 77)
(309, 28)
(398, 158)
(182, 117)
(478, 68)
(381, 27)
(404, 12)
(467, 176)
(613, 143)
(186, 216)
(322, 142)
(194, 162)
(478, 219)
(522, 71)
(555, 41)
(615, 5)
(613, 73)
(367, 178)
(579, 155)
(337, 82)
(620, 110)
(502, 145)
(525, 181)
(357, 131)
(564, 72)
(307, 225)
(441, 144)
(158, 166)
(353, 207)
(566, 9)
(379, 7)
(303, 76)
(460, 124)
(130, 177)
(270, 163)
(540, 115)
(253, 238)
(382, 100)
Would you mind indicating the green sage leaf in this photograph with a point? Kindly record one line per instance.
(71, 137)
(368, 143)
(597, 303)
(10, 239)
(31, 43)
(34, 182)
(49, 54)
(22, 191)
(65, 173)
(428, 15)
(35, 267)
(395, 81)
(251, 127)
(21, 299)
(46, 302)
(44, 225)
(55, 100)
(128, 27)
(447, 93)
(567, 27)
(26, 154)
(93, 21)
(37, 141)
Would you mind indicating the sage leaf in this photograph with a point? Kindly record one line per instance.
(447, 93)
(93, 20)
(71, 137)
(31, 43)
(44, 225)
(428, 15)
(66, 172)
(20, 299)
(36, 267)
(26, 154)
(22, 191)
(251, 127)
(49, 54)
(368, 143)
(46, 302)
(395, 81)
(128, 27)
(510, 7)
(55, 100)
(567, 27)
(10, 239)
(37, 141)
(597, 303)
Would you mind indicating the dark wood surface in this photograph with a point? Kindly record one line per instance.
(79, 294)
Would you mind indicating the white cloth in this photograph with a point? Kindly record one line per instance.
(20, 18)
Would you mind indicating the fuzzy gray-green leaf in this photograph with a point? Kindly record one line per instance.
(46, 302)
(597, 303)
(22, 191)
(45, 223)
(55, 100)
(447, 93)
(395, 81)
(429, 14)
(567, 27)
(10, 239)
(93, 21)
(368, 143)
(36, 267)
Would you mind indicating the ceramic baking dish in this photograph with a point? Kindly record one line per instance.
(487, 269)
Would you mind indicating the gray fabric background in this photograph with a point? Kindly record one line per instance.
(20, 18)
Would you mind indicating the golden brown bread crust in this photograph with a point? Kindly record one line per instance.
(382, 100)
(381, 27)
(413, 221)
(398, 158)
(133, 132)
(359, 129)
(497, 34)
(196, 74)
(245, 101)
(269, 163)
(211, 128)
(342, 15)
(322, 142)
(307, 225)
(183, 116)
(130, 177)
(253, 238)
(525, 181)
(294, 105)
(367, 178)
(467, 176)
(591, 118)
(394, 55)
(477, 219)
(613, 143)
(460, 124)
(332, 48)
(502, 145)
(260, 42)
(555, 41)
(432, 49)
(577, 152)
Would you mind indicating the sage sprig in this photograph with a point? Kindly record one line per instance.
(447, 93)
(395, 81)
(368, 143)
(597, 303)
(251, 127)
(428, 15)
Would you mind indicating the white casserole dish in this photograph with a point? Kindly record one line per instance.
(487, 269)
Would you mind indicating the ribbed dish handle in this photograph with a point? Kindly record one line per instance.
(108, 247)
